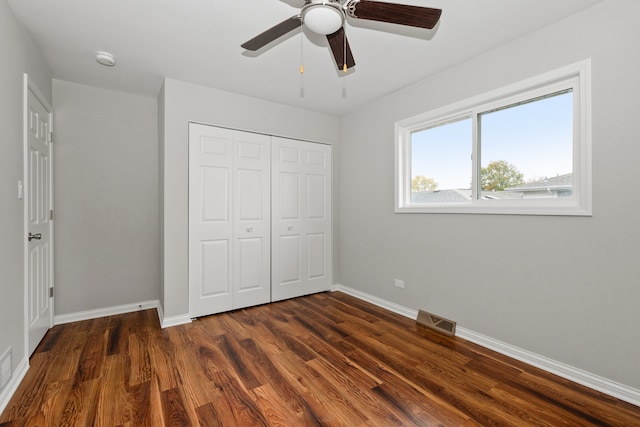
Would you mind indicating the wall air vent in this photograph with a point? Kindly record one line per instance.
(437, 323)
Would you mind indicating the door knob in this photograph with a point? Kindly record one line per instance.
(36, 236)
(290, 228)
(250, 230)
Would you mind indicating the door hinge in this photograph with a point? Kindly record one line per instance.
(51, 214)
(50, 136)
(51, 292)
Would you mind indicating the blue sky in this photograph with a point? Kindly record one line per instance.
(535, 137)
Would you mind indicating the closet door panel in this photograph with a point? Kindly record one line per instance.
(318, 193)
(250, 272)
(214, 264)
(289, 261)
(249, 191)
(211, 179)
(214, 185)
(290, 195)
(287, 205)
(318, 217)
(252, 218)
(316, 256)
(259, 219)
(301, 218)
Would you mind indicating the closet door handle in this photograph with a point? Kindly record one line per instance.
(250, 230)
(36, 236)
(290, 228)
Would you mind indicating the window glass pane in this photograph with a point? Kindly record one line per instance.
(441, 163)
(526, 149)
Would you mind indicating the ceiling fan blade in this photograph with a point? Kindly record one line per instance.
(273, 33)
(338, 44)
(403, 14)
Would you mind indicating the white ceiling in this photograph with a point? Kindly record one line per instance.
(199, 41)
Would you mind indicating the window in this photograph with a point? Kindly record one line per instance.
(523, 149)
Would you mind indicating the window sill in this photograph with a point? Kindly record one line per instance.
(491, 208)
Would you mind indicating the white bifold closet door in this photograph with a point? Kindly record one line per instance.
(300, 218)
(229, 219)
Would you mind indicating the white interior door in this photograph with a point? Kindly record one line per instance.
(38, 215)
(301, 218)
(252, 220)
(229, 211)
(210, 221)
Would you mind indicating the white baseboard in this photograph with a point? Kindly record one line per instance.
(12, 386)
(604, 385)
(103, 312)
(587, 379)
(396, 308)
(160, 312)
(166, 322)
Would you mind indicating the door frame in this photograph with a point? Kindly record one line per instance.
(30, 86)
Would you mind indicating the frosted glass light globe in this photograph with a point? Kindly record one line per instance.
(322, 18)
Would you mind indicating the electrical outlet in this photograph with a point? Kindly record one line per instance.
(399, 283)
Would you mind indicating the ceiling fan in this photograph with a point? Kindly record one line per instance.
(327, 17)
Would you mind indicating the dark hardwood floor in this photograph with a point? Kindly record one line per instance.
(322, 360)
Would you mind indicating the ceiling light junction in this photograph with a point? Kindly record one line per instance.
(105, 58)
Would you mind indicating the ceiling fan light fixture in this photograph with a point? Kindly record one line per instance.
(323, 17)
(327, 18)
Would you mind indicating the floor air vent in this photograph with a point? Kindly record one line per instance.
(440, 324)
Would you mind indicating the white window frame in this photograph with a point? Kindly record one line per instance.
(576, 76)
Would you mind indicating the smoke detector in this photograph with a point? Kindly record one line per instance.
(105, 58)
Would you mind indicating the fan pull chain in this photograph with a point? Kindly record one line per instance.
(344, 62)
(344, 58)
(301, 51)
(301, 62)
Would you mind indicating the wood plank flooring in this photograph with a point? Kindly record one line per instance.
(322, 360)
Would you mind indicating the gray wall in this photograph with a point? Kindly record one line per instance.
(18, 56)
(106, 198)
(562, 287)
(184, 102)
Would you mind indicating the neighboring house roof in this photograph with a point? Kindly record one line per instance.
(488, 195)
(458, 196)
(560, 182)
(555, 184)
(441, 196)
